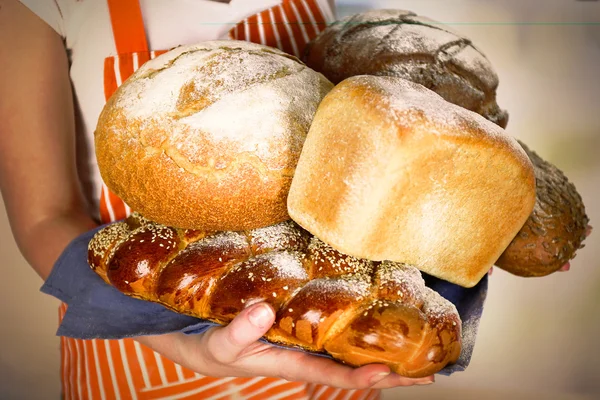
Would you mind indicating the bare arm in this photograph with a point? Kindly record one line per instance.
(38, 177)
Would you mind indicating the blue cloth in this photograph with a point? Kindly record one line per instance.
(97, 310)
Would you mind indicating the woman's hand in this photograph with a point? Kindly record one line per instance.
(234, 350)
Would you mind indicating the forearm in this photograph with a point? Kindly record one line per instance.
(38, 176)
(44, 241)
(167, 344)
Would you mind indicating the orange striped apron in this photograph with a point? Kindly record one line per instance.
(114, 369)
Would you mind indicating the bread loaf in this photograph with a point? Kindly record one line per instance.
(402, 44)
(208, 136)
(358, 311)
(391, 171)
(554, 231)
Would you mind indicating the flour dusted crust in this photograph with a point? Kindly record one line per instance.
(391, 171)
(403, 44)
(208, 136)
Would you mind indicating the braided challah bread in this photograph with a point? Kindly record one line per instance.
(357, 311)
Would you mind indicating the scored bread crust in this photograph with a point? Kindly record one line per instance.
(207, 136)
(391, 171)
(403, 44)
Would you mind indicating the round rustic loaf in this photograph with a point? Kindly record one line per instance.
(403, 44)
(208, 136)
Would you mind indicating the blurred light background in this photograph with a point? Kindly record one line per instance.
(539, 338)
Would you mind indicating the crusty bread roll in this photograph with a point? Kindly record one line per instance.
(358, 311)
(401, 43)
(554, 231)
(391, 171)
(208, 136)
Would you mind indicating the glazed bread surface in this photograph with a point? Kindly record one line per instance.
(358, 311)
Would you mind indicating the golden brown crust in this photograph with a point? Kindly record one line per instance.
(391, 171)
(554, 231)
(401, 44)
(208, 136)
(358, 311)
(367, 339)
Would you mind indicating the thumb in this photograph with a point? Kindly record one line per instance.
(229, 342)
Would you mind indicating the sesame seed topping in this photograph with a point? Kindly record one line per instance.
(280, 255)
(282, 236)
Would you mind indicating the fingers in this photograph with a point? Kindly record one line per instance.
(395, 380)
(306, 368)
(565, 267)
(227, 344)
(230, 353)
